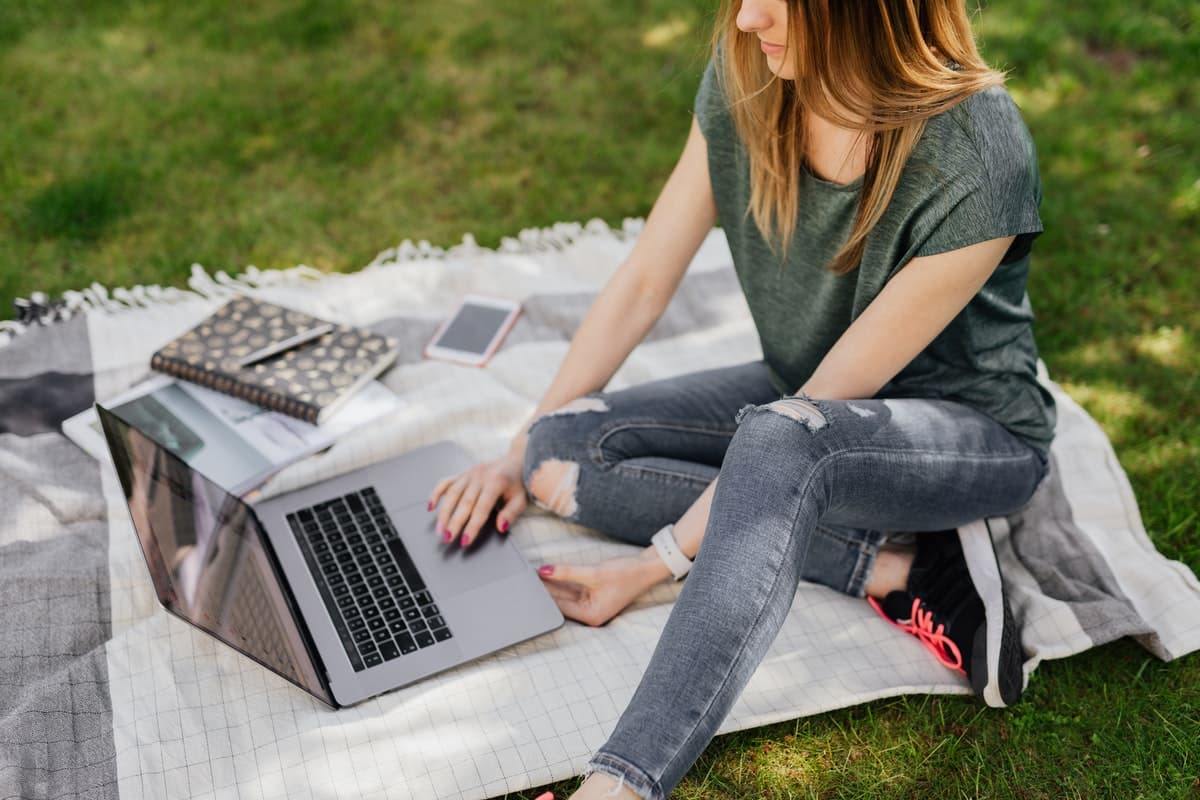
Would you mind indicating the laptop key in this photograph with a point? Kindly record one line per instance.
(407, 568)
(436, 622)
(411, 614)
(373, 660)
(361, 636)
(425, 638)
(407, 645)
(418, 625)
(389, 650)
(442, 634)
(407, 602)
(424, 598)
(392, 614)
(398, 626)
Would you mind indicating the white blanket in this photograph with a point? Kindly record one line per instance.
(190, 717)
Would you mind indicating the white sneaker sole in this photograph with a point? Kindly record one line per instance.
(1001, 638)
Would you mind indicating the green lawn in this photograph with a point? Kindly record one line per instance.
(140, 136)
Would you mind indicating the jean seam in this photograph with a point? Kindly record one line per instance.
(862, 563)
(597, 446)
(832, 534)
(862, 569)
(644, 471)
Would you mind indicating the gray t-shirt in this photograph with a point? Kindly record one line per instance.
(971, 177)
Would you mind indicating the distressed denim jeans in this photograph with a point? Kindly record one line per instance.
(808, 489)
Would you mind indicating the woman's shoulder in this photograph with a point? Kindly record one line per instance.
(986, 132)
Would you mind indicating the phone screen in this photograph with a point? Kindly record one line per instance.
(473, 328)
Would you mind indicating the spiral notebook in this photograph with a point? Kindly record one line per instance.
(309, 382)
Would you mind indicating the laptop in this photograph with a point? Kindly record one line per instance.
(341, 587)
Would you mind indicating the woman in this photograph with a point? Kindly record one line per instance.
(879, 193)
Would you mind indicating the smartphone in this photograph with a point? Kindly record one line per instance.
(474, 331)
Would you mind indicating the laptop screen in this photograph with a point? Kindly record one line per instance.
(208, 556)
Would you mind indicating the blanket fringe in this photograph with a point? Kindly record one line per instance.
(40, 309)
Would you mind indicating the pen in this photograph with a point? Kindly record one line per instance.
(275, 348)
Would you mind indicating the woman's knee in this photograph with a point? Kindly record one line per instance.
(780, 445)
(555, 450)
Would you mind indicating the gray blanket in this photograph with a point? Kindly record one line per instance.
(103, 694)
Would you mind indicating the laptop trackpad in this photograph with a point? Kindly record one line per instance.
(490, 557)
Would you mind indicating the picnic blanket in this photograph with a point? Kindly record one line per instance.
(104, 694)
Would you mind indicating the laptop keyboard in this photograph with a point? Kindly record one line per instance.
(379, 604)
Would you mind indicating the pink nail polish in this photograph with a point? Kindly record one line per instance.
(546, 570)
(464, 541)
(429, 506)
(503, 526)
(447, 535)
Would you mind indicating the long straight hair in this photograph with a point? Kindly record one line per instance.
(883, 67)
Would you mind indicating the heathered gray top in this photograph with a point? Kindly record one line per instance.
(971, 177)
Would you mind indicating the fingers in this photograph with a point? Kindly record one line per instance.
(479, 513)
(468, 499)
(440, 487)
(515, 507)
(451, 496)
(566, 572)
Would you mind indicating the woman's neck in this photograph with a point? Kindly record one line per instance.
(834, 154)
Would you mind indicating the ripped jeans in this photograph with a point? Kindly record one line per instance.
(807, 490)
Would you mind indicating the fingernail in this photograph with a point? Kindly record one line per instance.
(503, 526)
(546, 570)
(464, 541)
(447, 535)
(546, 796)
(429, 507)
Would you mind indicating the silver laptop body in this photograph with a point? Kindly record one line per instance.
(258, 576)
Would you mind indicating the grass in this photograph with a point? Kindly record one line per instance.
(140, 137)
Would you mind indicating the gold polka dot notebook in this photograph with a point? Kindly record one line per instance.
(309, 381)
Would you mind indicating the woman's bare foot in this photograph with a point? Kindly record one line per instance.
(600, 786)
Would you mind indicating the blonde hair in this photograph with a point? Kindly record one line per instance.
(880, 66)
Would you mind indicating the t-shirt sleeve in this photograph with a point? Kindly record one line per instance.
(996, 189)
(710, 102)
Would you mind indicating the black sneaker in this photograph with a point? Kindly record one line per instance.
(956, 605)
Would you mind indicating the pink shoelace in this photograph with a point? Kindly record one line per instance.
(920, 625)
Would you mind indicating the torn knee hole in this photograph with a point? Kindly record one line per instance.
(552, 486)
(804, 411)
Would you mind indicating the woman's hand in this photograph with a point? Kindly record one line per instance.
(596, 593)
(470, 497)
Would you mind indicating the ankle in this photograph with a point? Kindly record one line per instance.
(890, 571)
(602, 786)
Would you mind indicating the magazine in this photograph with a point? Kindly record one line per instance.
(236, 444)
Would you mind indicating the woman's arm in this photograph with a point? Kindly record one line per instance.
(907, 314)
(639, 291)
(625, 310)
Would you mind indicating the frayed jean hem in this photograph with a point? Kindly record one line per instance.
(627, 774)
